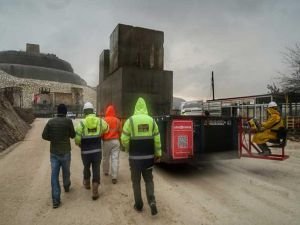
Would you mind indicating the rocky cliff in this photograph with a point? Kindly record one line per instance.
(12, 128)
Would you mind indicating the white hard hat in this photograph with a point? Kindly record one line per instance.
(272, 104)
(88, 105)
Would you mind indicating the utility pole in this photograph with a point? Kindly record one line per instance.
(213, 84)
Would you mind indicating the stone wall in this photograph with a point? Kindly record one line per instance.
(31, 86)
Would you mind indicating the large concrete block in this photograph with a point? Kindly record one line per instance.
(103, 65)
(108, 93)
(136, 46)
(127, 84)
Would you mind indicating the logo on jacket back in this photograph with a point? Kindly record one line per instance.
(92, 130)
(143, 127)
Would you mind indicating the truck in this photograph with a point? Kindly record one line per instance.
(200, 108)
(192, 108)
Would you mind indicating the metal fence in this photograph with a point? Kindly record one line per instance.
(290, 113)
(49, 110)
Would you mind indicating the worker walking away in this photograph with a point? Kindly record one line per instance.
(141, 138)
(111, 144)
(58, 131)
(88, 137)
(269, 129)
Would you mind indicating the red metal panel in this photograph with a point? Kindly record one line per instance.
(182, 139)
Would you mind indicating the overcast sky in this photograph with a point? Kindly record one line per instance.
(241, 40)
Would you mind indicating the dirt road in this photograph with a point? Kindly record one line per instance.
(240, 191)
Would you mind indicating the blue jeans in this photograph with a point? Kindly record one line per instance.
(57, 161)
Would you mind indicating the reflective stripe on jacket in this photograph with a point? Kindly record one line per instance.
(88, 134)
(142, 125)
(141, 149)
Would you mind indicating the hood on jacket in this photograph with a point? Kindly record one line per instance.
(91, 121)
(140, 107)
(273, 111)
(110, 111)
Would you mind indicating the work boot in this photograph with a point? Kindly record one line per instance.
(56, 204)
(114, 180)
(87, 184)
(67, 188)
(138, 208)
(153, 209)
(95, 195)
(265, 151)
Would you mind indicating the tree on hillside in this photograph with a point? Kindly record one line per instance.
(290, 80)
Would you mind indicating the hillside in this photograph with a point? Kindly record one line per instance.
(13, 128)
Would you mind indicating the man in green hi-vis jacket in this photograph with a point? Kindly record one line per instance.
(140, 137)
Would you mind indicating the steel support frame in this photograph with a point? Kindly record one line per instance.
(246, 148)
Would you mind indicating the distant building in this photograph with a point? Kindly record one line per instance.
(31, 79)
(35, 65)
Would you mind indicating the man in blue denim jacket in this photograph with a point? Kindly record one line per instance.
(58, 131)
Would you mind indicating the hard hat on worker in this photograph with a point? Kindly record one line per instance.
(88, 105)
(272, 104)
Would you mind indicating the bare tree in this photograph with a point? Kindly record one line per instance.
(290, 81)
(273, 89)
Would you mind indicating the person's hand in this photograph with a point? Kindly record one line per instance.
(157, 159)
(122, 148)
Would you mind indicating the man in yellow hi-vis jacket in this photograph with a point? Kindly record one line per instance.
(140, 137)
(88, 137)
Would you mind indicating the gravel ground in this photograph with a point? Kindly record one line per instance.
(238, 191)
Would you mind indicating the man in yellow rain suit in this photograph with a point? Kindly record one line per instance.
(269, 129)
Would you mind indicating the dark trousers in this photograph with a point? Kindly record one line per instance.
(136, 185)
(94, 160)
(263, 147)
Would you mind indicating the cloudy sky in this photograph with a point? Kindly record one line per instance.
(240, 40)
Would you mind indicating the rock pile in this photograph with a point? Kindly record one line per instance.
(13, 128)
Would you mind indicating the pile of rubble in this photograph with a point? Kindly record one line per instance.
(13, 126)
